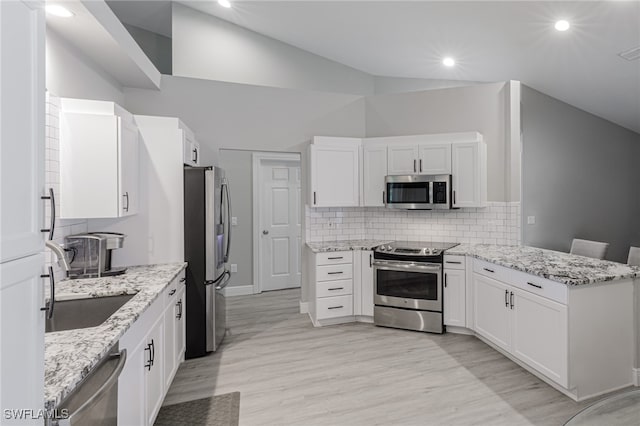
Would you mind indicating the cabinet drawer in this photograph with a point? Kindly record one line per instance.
(454, 262)
(491, 270)
(334, 307)
(334, 288)
(540, 286)
(334, 272)
(334, 257)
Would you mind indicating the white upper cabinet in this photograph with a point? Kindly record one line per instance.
(334, 172)
(374, 170)
(190, 147)
(402, 159)
(434, 159)
(99, 160)
(21, 130)
(469, 174)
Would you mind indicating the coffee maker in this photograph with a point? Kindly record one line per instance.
(89, 254)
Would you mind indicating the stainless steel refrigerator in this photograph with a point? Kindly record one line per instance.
(207, 238)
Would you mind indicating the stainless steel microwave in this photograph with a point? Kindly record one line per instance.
(418, 192)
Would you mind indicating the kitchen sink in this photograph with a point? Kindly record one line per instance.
(83, 313)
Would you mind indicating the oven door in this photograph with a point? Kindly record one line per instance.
(408, 285)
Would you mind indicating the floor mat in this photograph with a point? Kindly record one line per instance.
(220, 410)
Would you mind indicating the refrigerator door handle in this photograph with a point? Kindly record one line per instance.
(225, 188)
(225, 282)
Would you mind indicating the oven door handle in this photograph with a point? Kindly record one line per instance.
(412, 267)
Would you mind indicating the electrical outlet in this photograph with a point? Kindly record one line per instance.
(234, 267)
(234, 220)
(531, 220)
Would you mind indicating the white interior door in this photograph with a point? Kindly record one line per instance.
(280, 224)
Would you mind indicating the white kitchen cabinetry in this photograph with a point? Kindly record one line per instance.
(402, 159)
(22, 130)
(363, 285)
(155, 348)
(434, 159)
(407, 155)
(469, 174)
(190, 147)
(374, 170)
(334, 172)
(454, 298)
(99, 154)
(331, 288)
(492, 314)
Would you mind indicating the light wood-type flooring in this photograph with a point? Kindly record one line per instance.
(290, 373)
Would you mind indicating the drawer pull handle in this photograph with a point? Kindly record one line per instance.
(335, 258)
(335, 273)
(183, 279)
(336, 288)
(172, 292)
(489, 270)
(511, 300)
(335, 307)
(453, 262)
(534, 285)
(506, 298)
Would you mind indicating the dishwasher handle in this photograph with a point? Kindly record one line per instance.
(106, 386)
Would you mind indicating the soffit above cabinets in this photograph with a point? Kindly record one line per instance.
(98, 34)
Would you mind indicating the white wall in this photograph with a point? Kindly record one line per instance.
(580, 177)
(386, 85)
(71, 75)
(211, 48)
(479, 108)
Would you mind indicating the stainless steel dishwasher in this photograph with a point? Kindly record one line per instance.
(95, 400)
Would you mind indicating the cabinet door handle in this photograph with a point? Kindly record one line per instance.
(414, 166)
(172, 292)
(445, 280)
(335, 307)
(336, 288)
(453, 262)
(489, 270)
(506, 298)
(153, 351)
(183, 279)
(384, 200)
(454, 196)
(194, 157)
(52, 297)
(179, 306)
(421, 165)
(52, 224)
(315, 202)
(370, 261)
(534, 285)
(148, 362)
(335, 258)
(335, 273)
(511, 300)
(126, 207)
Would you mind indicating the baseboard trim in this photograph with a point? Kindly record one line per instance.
(238, 290)
(304, 307)
(636, 377)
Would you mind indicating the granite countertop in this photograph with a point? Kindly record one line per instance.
(556, 266)
(321, 247)
(69, 355)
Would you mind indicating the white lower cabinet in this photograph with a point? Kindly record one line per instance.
(155, 349)
(366, 283)
(454, 304)
(491, 310)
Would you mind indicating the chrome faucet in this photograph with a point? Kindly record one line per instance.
(60, 255)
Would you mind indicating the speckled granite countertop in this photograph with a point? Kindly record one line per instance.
(326, 246)
(554, 265)
(69, 355)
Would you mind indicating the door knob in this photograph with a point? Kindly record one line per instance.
(265, 232)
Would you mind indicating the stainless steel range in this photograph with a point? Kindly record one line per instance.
(408, 285)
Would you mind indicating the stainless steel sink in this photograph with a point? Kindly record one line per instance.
(83, 313)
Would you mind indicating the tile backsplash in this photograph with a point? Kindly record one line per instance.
(63, 227)
(498, 223)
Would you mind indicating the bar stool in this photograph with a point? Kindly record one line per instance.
(634, 256)
(594, 249)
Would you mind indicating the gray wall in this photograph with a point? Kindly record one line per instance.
(156, 46)
(387, 85)
(70, 74)
(479, 108)
(237, 165)
(240, 116)
(580, 177)
(207, 47)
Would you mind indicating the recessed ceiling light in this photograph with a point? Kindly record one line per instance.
(57, 10)
(224, 3)
(449, 62)
(562, 25)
